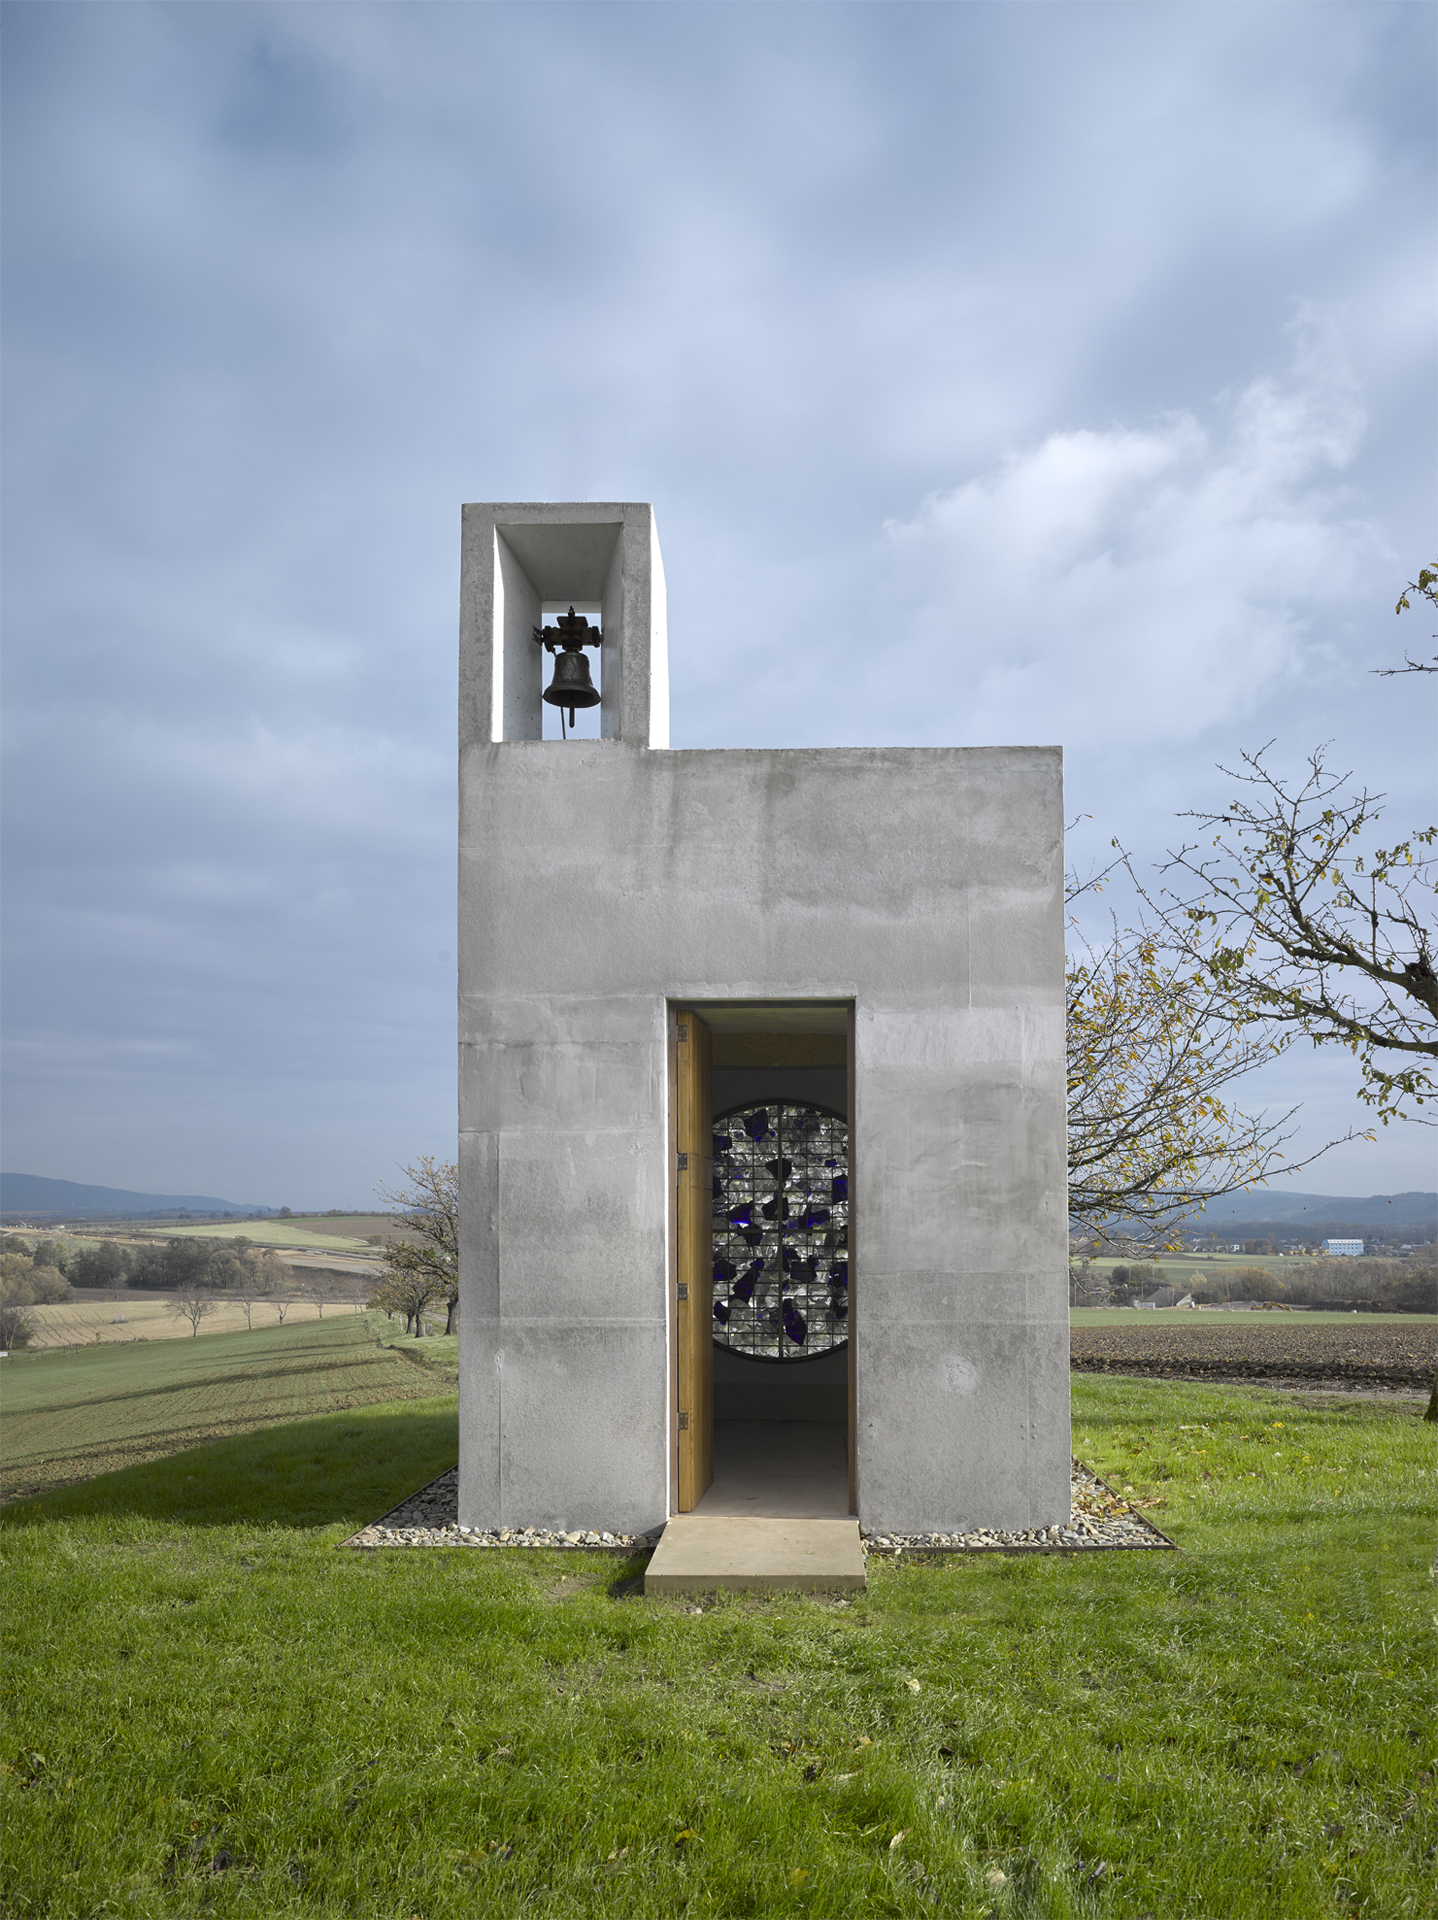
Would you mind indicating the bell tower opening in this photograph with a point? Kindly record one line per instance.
(562, 610)
(570, 635)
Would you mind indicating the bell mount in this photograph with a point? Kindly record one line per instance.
(571, 686)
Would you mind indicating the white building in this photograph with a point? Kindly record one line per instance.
(1349, 1247)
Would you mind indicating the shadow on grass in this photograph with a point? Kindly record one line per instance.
(338, 1469)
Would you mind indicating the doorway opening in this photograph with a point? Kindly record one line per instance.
(763, 1375)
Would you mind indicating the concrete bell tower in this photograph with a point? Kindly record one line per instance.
(659, 950)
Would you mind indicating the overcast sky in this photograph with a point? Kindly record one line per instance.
(998, 373)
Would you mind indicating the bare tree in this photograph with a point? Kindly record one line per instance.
(1426, 585)
(16, 1326)
(408, 1288)
(1154, 1046)
(253, 1282)
(429, 1222)
(193, 1304)
(1304, 925)
(318, 1286)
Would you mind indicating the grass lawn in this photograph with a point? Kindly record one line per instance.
(1218, 1317)
(274, 1233)
(437, 1351)
(217, 1710)
(72, 1412)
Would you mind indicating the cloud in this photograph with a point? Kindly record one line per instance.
(1145, 582)
(856, 296)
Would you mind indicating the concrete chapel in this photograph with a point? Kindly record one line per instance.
(761, 1091)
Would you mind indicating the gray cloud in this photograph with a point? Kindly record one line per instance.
(996, 373)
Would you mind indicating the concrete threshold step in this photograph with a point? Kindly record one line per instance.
(701, 1552)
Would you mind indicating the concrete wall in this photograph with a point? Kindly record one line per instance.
(604, 882)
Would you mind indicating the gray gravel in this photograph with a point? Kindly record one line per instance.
(430, 1518)
(1099, 1518)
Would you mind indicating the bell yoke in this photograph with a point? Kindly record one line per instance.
(571, 686)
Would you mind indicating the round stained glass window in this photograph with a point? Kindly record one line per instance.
(781, 1231)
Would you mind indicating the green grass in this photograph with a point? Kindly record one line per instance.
(72, 1412)
(1216, 1316)
(271, 1233)
(438, 1351)
(219, 1711)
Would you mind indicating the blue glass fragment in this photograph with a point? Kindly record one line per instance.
(795, 1325)
(817, 1217)
(756, 1124)
(753, 1235)
(839, 1277)
(743, 1288)
(840, 1188)
(721, 1311)
(724, 1271)
(741, 1215)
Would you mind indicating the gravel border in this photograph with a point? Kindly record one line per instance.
(430, 1518)
(1101, 1519)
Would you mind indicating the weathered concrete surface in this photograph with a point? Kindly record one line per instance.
(699, 1554)
(602, 883)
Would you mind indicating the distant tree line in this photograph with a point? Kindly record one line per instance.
(199, 1276)
(1338, 1285)
(32, 1274)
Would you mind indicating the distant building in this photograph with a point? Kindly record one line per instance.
(1343, 1246)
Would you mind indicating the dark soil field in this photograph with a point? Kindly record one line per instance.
(1368, 1352)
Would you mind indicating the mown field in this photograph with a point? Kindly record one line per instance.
(284, 1233)
(73, 1413)
(111, 1322)
(217, 1709)
(1383, 1350)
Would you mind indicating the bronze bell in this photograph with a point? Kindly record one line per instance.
(571, 686)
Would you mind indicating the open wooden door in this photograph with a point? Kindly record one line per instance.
(694, 1337)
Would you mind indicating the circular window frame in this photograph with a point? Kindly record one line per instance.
(798, 1357)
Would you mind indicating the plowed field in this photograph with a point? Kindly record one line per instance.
(1367, 1352)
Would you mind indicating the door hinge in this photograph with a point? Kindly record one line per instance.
(684, 1163)
(684, 1423)
(683, 1032)
(683, 1289)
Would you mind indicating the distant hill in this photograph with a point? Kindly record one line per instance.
(1276, 1207)
(31, 1194)
(1395, 1216)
